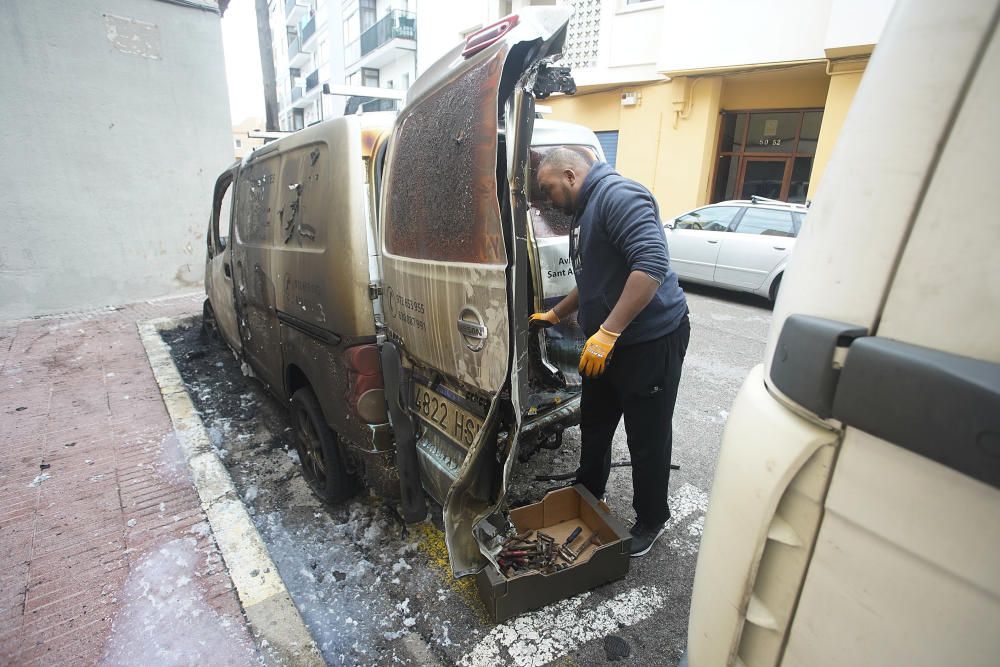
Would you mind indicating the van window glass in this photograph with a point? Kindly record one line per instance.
(441, 201)
(766, 222)
(220, 215)
(254, 200)
(709, 219)
(547, 220)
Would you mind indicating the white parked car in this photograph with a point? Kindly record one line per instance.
(742, 245)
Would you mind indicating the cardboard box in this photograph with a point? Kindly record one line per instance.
(558, 514)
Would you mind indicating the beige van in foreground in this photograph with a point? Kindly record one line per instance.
(855, 514)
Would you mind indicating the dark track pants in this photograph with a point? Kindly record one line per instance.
(641, 383)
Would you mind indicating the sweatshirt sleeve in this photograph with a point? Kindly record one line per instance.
(633, 227)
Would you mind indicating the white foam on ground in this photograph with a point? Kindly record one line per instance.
(165, 621)
(544, 635)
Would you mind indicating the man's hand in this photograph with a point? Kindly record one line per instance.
(596, 352)
(543, 320)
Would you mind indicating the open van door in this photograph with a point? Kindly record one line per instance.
(454, 262)
(219, 269)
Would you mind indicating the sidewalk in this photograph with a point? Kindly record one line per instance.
(105, 554)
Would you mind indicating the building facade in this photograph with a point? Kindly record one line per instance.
(116, 121)
(750, 100)
(331, 55)
(704, 101)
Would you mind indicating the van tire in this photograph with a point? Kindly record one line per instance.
(775, 286)
(209, 326)
(319, 450)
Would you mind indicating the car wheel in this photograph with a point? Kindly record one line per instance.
(319, 452)
(209, 325)
(775, 286)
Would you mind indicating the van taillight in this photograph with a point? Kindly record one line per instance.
(480, 39)
(365, 391)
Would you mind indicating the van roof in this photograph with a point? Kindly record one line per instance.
(556, 132)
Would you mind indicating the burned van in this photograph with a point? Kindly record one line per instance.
(380, 272)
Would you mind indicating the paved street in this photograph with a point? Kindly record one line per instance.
(368, 588)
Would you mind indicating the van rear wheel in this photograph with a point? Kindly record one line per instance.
(319, 452)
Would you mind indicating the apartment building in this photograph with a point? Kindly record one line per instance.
(330, 55)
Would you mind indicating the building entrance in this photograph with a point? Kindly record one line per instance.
(766, 153)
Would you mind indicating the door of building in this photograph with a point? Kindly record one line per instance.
(766, 153)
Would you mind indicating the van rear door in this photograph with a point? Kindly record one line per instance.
(448, 251)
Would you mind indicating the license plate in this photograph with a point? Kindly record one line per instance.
(446, 416)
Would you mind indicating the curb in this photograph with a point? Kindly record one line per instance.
(279, 631)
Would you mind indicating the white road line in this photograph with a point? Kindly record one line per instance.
(542, 636)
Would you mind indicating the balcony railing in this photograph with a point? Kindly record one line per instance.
(395, 24)
(312, 80)
(308, 30)
(296, 94)
(294, 47)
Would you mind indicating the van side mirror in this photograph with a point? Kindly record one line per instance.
(669, 224)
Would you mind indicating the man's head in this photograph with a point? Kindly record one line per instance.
(560, 177)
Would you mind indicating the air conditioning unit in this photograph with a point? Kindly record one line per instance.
(631, 98)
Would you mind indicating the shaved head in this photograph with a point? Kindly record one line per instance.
(561, 173)
(566, 158)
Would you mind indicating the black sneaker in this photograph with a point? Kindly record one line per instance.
(643, 538)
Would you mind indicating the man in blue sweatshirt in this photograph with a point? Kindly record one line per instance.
(636, 319)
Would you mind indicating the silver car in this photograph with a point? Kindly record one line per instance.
(742, 245)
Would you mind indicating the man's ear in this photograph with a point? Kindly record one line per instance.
(570, 176)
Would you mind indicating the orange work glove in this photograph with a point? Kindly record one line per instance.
(543, 320)
(596, 352)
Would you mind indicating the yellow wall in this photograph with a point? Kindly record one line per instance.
(748, 93)
(843, 87)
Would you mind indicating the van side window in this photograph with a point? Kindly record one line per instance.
(766, 223)
(222, 206)
(441, 183)
(709, 219)
(547, 220)
(254, 200)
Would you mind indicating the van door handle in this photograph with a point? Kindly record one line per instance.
(713, 241)
(229, 271)
(778, 247)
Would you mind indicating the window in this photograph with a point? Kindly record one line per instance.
(221, 211)
(609, 144)
(547, 220)
(708, 219)
(369, 77)
(239, 143)
(442, 195)
(766, 222)
(766, 153)
(368, 15)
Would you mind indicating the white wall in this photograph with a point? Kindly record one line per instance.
(728, 33)
(111, 148)
(440, 26)
(856, 23)
(719, 33)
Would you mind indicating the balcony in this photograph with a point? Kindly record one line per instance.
(308, 30)
(294, 11)
(297, 56)
(312, 80)
(397, 24)
(296, 94)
